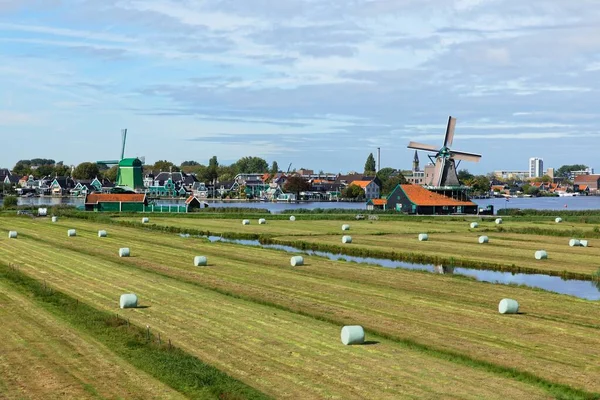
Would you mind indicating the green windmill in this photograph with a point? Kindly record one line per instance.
(130, 172)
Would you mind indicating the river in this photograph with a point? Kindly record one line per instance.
(537, 203)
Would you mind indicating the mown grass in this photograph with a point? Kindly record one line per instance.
(295, 354)
(170, 365)
(44, 357)
(453, 316)
(457, 244)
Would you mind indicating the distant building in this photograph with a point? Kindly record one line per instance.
(587, 171)
(536, 167)
(370, 187)
(586, 183)
(516, 175)
(416, 175)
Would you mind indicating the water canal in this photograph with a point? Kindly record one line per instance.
(588, 290)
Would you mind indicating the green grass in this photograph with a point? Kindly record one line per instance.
(170, 365)
(438, 316)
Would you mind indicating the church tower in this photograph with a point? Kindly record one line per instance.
(415, 162)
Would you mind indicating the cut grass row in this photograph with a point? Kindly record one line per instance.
(280, 352)
(43, 357)
(126, 354)
(443, 312)
(451, 242)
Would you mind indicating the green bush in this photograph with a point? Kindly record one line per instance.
(10, 201)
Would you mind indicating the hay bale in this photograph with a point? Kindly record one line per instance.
(292, 218)
(129, 300)
(12, 234)
(498, 221)
(297, 261)
(508, 306)
(474, 225)
(574, 243)
(483, 239)
(558, 220)
(262, 221)
(124, 252)
(346, 239)
(583, 243)
(102, 234)
(200, 261)
(246, 222)
(54, 219)
(423, 237)
(353, 334)
(345, 227)
(145, 220)
(541, 255)
(71, 233)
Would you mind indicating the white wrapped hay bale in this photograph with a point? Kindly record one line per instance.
(345, 227)
(558, 220)
(102, 234)
(297, 261)
(71, 233)
(246, 222)
(128, 300)
(55, 219)
(124, 252)
(292, 218)
(483, 239)
(200, 261)
(346, 239)
(574, 243)
(423, 237)
(541, 255)
(474, 225)
(583, 243)
(12, 234)
(262, 221)
(508, 306)
(353, 334)
(145, 220)
(498, 221)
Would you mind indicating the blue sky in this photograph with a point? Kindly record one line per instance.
(315, 83)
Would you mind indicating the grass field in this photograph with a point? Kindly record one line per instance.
(276, 328)
(449, 239)
(41, 357)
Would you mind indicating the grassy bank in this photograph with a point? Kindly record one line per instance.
(169, 365)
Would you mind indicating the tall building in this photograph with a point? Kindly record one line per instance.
(536, 167)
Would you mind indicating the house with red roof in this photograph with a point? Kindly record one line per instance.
(116, 202)
(589, 183)
(370, 187)
(415, 199)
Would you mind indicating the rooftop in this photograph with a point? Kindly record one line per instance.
(423, 197)
(95, 198)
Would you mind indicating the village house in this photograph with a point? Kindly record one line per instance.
(415, 199)
(586, 183)
(370, 188)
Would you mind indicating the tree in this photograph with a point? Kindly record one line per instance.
(42, 171)
(61, 170)
(250, 165)
(370, 166)
(296, 184)
(464, 175)
(212, 173)
(384, 173)
(111, 173)
(389, 185)
(22, 168)
(86, 170)
(189, 163)
(565, 170)
(480, 184)
(10, 201)
(353, 192)
(274, 168)
(165, 166)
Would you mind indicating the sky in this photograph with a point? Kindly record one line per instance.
(316, 83)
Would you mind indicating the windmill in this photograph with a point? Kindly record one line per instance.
(445, 166)
(129, 173)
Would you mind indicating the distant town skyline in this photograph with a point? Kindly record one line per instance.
(316, 84)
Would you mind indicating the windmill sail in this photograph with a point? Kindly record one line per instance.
(424, 147)
(450, 132)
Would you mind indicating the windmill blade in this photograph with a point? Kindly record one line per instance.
(424, 147)
(450, 132)
(124, 140)
(461, 155)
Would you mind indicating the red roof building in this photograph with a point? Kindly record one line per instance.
(415, 199)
